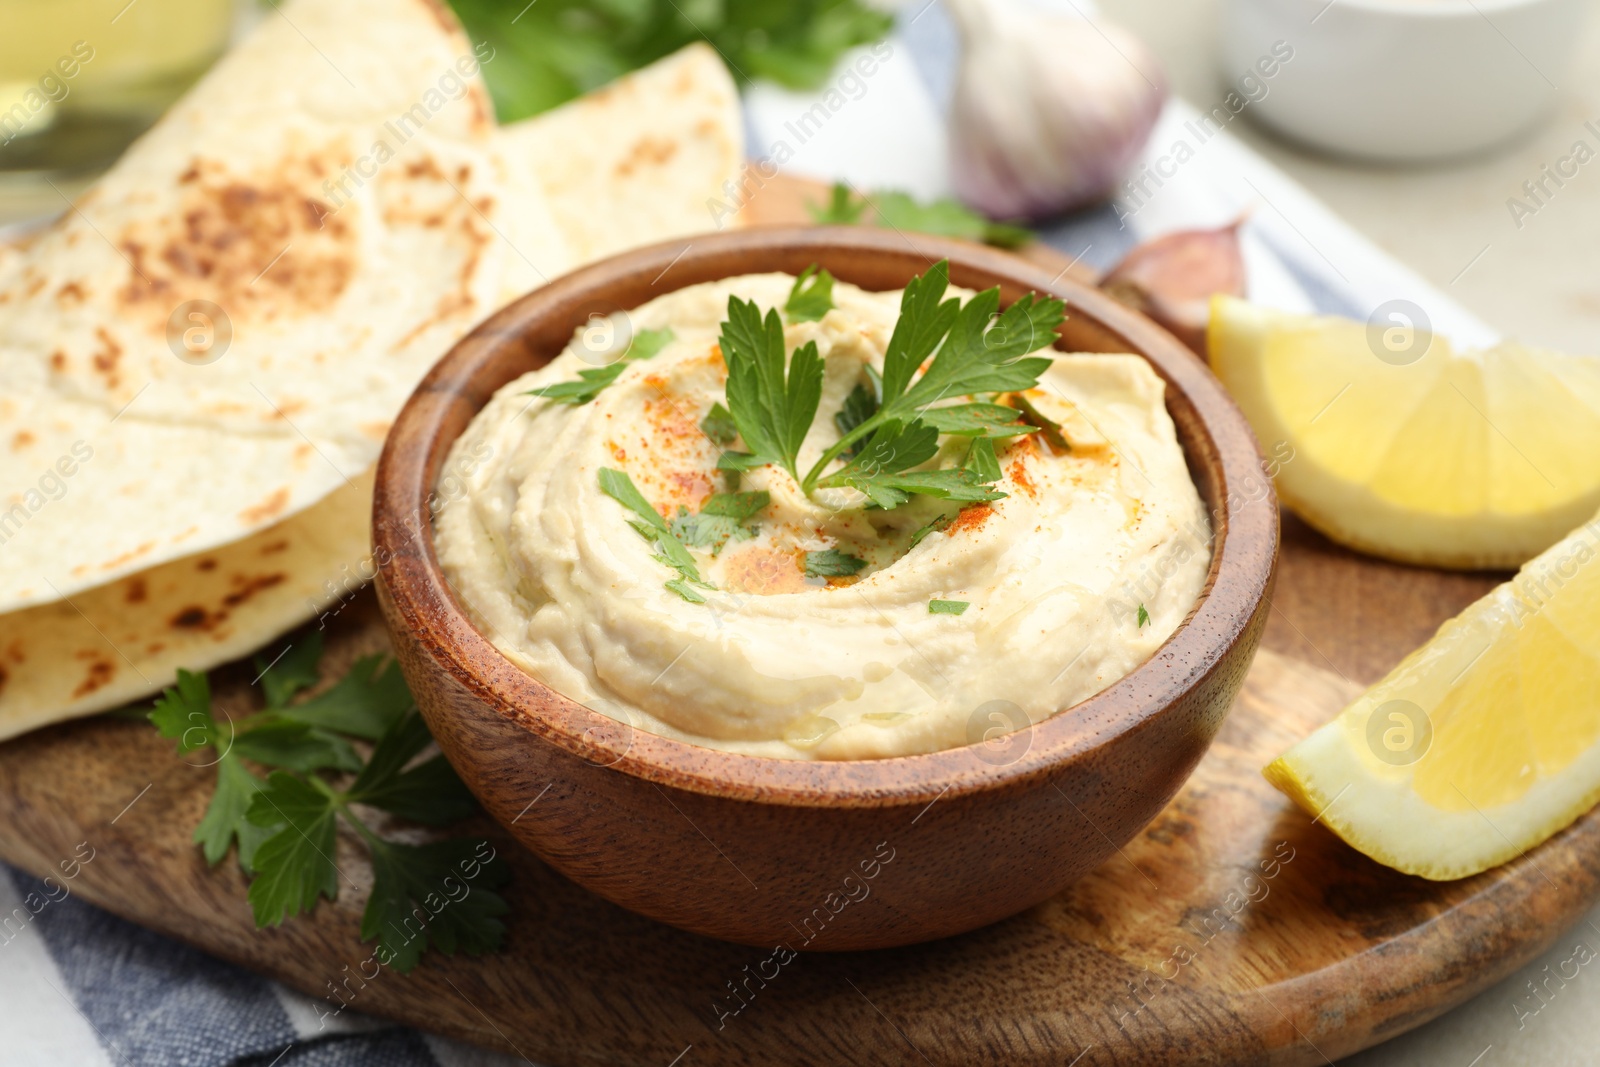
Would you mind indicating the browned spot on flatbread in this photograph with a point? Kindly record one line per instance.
(138, 591)
(207, 564)
(34, 286)
(245, 588)
(646, 152)
(16, 652)
(194, 617)
(263, 243)
(21, 439)
(274, 547)
(106, 360)
(71, 293)
(268, 509)
(58, 361)
(99, 672)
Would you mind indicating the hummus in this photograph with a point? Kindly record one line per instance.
(1092, 559)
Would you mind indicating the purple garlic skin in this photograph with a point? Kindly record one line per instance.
(1050, 110)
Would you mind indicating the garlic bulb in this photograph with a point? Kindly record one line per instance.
(1173, 278)
(1049, 110)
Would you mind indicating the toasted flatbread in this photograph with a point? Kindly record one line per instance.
(202, 532)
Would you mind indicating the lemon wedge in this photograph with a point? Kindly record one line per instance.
(1406, 449)
(1483, 742)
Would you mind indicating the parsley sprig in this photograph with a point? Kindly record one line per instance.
(900, 211)
(655, 529)
(591, 380)
(438, 894)
(973, 351)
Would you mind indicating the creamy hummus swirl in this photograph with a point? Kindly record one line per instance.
(1092, 560)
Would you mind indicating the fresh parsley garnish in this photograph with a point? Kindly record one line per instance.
(974, 348)
(887, 432)
(1144, 617)
(899, 211)
(947, 607)
(934, 525)
(859, 406)
(772, 410)
(718, 425)
(881, 469)
(811, 297)
(722, 518)
(591, 380)
(977, 420)
(982, 461)
(654, 529)
(1049, 429)
(555, 50)
(831, 563)
(843, 208)
(285, 826)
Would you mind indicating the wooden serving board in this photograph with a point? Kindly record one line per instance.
(1231, 931)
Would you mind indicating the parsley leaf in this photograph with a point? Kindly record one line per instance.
(1049, 429)
(723, 517)
(364, 703)
(925, 319)
(773, 411)
(225, 821)
(859, 406)
(718, 426)
(653, 528)
(592, 380)
(438, 892)
(811, 297)
(980, 358)
(934, 525)
(975, 348)
(556, 50)
(947, 218)
(900, 211)
(286, 826)
(295, 865)
(947, 607)
(1144, 617)
(977, 420)
(429, 793)
(294, 669)
(881, 471)
(842, 208)
(184, 714)
(831, 563)
(982, 461)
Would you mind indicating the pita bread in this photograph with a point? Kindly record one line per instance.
(640, 160)
(118, 642)
(97, 648)
(330, 185)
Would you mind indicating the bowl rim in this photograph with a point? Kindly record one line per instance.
(1245, 530)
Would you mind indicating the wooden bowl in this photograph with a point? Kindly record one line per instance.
(812, 854)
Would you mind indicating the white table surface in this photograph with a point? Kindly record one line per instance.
(1541, 284)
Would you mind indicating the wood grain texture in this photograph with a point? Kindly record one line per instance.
(1337, 954)
(978, 833)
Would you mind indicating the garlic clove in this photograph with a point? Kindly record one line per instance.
(1049, 110)
(1173, 278)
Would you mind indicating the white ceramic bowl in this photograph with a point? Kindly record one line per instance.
(1402, 79)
